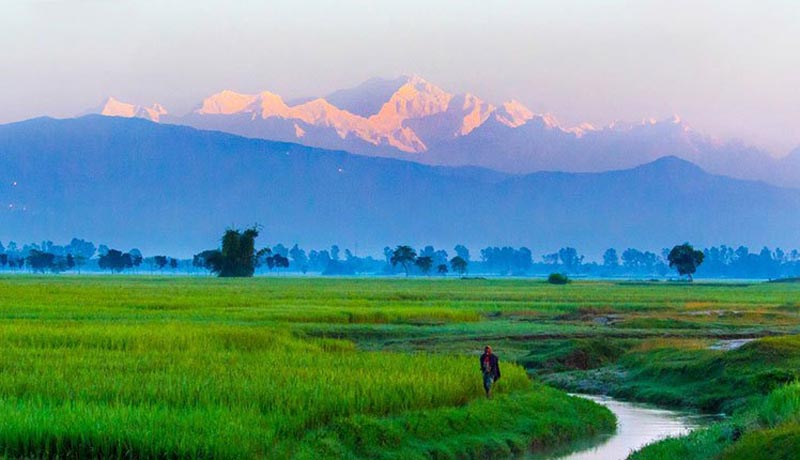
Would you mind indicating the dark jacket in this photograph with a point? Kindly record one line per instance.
(494, 364)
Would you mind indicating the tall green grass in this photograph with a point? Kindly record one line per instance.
(207, 391)
(150, 368)
(769, 429)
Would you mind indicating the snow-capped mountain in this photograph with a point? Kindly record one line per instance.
(115, 108)
(411, 118)
(405, 114)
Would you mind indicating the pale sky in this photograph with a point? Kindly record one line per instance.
(728, 68)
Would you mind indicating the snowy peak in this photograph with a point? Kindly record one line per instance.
(582, 129)
(473, 112)
(547, 120)
(383, 116)
(115, 108)
(415, 99)
(270, 105)
(225, 102)
(322, 113)
(406, 113)
(513, 114)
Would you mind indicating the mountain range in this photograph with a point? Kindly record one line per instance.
(129, 182)
(412, 119)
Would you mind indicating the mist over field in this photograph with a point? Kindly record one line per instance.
(162, 188)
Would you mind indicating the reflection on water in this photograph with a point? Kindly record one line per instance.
(637, 426)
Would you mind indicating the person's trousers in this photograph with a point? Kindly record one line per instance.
(488, 381)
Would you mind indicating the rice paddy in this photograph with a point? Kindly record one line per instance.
(168, 367)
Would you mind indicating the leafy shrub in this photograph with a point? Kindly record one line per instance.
(558, 278)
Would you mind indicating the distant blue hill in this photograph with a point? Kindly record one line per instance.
(173, 189)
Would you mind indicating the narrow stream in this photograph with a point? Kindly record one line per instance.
(637, 426)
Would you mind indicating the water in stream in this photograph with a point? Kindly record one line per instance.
(637, 426)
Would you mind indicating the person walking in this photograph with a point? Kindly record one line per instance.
(490, 367)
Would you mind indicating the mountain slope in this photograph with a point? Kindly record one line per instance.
(411, 118)
(367, 98)
(378, 118)
(163, 188)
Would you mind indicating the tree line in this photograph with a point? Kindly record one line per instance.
(81, 255)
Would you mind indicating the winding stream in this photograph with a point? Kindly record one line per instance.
(637, 426)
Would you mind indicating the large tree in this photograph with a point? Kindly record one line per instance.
(161, 261)
(238, 256)
(459, 265)
(570, 258)
(610, 258)
(685, 259)
(115, 260)
(299, 258)
(279, 261)
(404, 256)
(39, 261)
(424, 264)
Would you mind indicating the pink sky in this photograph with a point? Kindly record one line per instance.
(729, 68)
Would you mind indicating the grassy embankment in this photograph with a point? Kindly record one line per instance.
(754, 382)
(651, 342)
(127, 367)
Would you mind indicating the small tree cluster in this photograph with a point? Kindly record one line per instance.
(406, 257)
(117, 261)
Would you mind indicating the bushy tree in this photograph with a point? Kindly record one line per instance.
(458, 264)
(404, 256)
(299, 257)
(280, 261)
(570, 258)
(462, 251)
(424, 264)
(82, 248)
(636, 260)
(610, 258)
(40, 261)
(161, 261)
(238, 255)
(115, 260)
(507, 260)
(685, 259)
(557, 278)
(136, 257)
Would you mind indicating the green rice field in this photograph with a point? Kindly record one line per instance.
(196, 367)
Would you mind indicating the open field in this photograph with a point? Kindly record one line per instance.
(128, 367)
(140, 367)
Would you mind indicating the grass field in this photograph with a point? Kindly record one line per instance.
(141, 367)
(129, 367)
